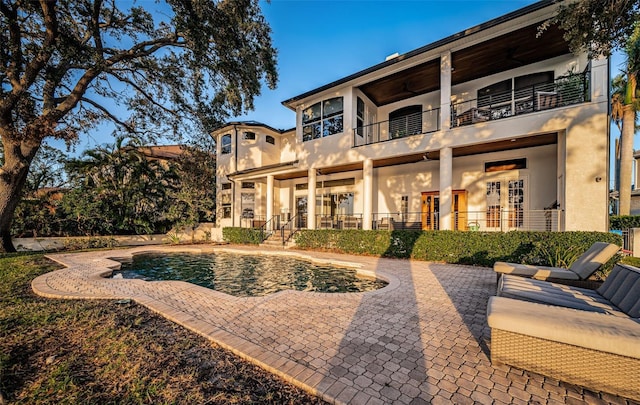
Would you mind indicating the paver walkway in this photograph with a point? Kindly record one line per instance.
(422, 339)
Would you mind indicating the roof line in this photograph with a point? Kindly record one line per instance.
(469, 31)
(251, 124)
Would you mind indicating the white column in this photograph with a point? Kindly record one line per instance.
(445, 91)
(446, 180)
(311, 199)
(270, 200)
(367, 193)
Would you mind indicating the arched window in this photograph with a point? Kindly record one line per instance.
(225, 144)
(405, 121)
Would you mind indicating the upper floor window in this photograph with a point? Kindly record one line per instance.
(322, 119)
(360, 116)
(225, 143)
(270, 139)
(405, 121)
(251, 136)
(248, 184)
(226, 186)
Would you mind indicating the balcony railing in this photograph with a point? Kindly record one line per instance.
(566, 90)
(414, 124)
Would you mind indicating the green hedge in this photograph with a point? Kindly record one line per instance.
(242, 235)
(476, 248)
(620, 222)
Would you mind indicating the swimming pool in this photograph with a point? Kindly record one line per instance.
(244, 275)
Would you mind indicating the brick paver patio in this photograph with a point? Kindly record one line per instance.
(422, 339)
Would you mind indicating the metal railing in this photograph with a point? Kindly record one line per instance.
(565, 90)
(252, 221)
(352, 221)
(293, 225)
(414, 124)
(486, 221)
(268, 227)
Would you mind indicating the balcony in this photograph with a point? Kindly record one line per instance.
(412, 124)
(564, 91)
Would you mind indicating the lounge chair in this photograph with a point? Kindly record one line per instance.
(588, 338)
(598, 254)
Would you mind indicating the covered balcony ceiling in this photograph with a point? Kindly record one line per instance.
(506, 52)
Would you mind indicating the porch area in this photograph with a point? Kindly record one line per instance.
(503, 220)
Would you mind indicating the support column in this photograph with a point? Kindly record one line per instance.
(445, 91)
(446, 189)
(367, 193)
(311, 199)
(270, 200)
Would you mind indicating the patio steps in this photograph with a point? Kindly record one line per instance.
(275, 241)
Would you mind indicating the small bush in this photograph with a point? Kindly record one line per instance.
(93, 242)
(619, 222)
(475, 248)
(242, 235)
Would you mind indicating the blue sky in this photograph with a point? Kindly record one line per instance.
(320, 41)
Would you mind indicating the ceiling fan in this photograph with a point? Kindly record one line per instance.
(511, 52)
(406, 89)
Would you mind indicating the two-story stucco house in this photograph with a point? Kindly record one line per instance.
(493, 128)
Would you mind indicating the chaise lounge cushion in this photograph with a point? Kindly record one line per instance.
(555, 294)
(591, 330)
(537, 272)
(618, 295)
(587, 264)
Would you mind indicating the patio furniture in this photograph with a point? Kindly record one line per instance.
(619, 294)
(585, 337)
(598, 254)
(351, 223)
(598, 351)
(386, 224)
(326, 222)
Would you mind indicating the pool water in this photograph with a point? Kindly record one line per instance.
(247, 275)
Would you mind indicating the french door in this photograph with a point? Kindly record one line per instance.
(431, 210)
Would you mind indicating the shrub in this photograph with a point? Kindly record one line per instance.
(620, 222)
(93, 242)
(242, 235)
(475, 248)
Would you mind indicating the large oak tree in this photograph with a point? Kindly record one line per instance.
(66, 66)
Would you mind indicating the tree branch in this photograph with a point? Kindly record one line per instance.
(106, 112)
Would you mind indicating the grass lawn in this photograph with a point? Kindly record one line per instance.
(99, 352)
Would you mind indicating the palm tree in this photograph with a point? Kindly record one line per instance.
(624, 108)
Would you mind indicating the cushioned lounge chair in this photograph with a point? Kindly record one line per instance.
(598, 254)
(585, 337)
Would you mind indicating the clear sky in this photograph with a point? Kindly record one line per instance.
(320, 41)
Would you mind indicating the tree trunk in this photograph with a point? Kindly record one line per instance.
(626, 158)
(13, 176)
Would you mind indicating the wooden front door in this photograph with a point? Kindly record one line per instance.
(431, 210)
